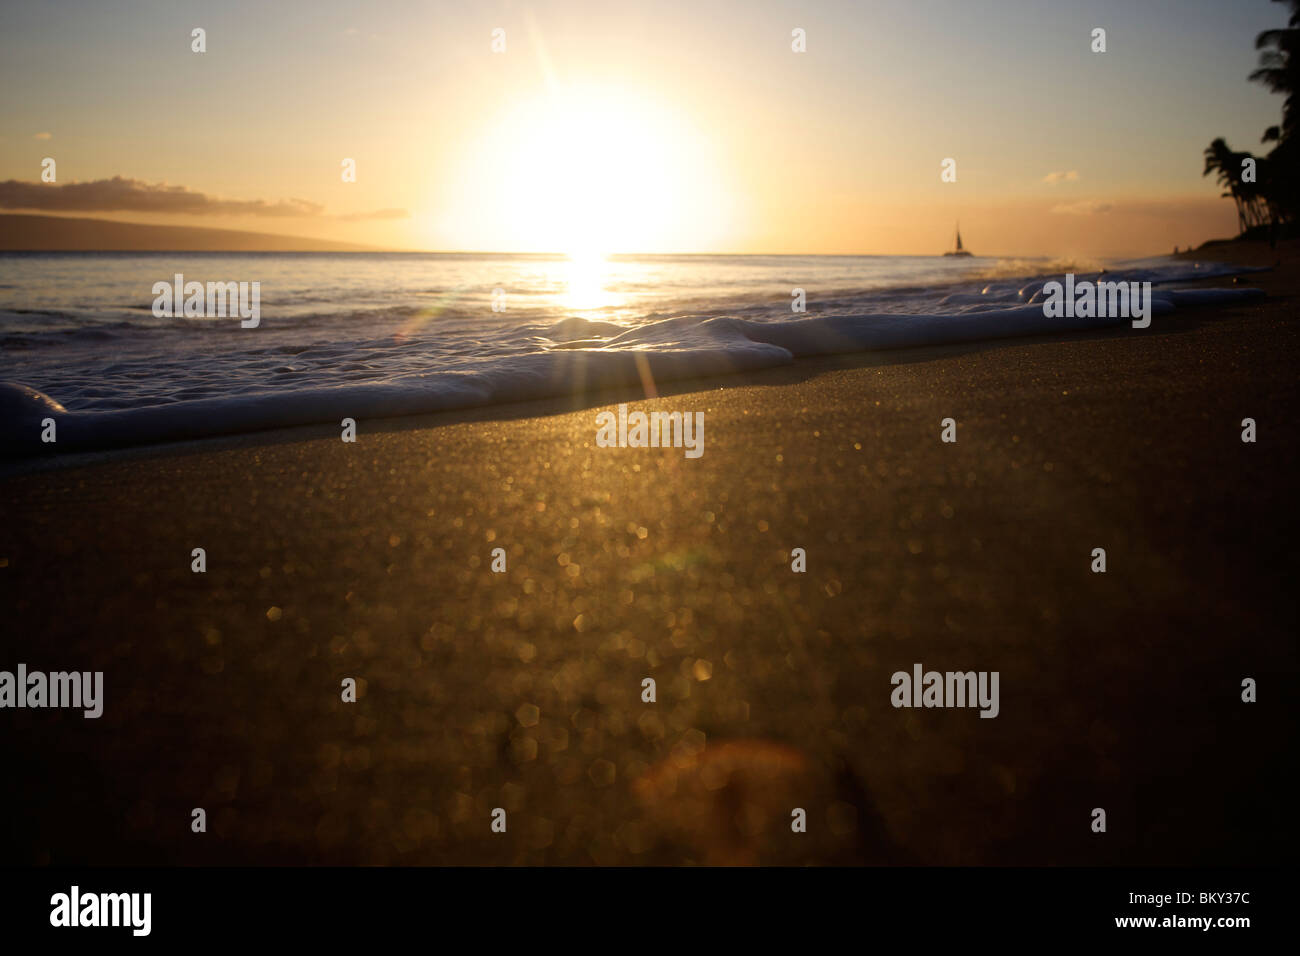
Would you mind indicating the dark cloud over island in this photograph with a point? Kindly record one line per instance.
(120, 194)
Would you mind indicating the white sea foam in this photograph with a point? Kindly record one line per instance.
(112, 377)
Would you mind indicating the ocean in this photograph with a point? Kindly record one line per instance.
(375, 334)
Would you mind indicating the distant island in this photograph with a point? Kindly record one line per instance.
(32, 233)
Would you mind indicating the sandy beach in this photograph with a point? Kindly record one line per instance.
(522, 690)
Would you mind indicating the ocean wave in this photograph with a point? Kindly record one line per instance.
(574, 354)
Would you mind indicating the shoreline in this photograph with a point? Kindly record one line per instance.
(592, 397)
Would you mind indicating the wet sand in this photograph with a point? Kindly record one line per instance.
(522, 690)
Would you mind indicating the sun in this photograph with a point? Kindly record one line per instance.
(588, 171)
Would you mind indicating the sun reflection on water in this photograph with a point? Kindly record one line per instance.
(587, 273)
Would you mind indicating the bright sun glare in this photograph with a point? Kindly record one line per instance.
(586, 280)
(588, 171)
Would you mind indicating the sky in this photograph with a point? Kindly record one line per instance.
(609, 126)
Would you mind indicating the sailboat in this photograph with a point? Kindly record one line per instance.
(959, 251)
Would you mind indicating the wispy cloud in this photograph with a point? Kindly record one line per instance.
(377, 214)
(44, 135)
(1068, 176)
(131, 195)
(1087, 207)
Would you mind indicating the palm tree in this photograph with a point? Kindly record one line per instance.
(1279, 69)
(1273, 198)
(1227, 165)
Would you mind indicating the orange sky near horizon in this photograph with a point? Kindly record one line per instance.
(694, 127)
